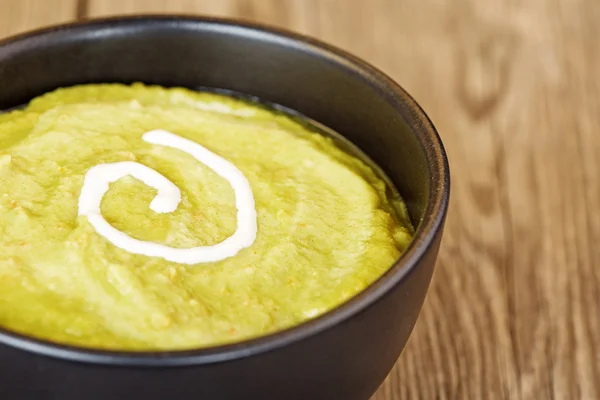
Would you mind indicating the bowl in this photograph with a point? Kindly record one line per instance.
(343, 354)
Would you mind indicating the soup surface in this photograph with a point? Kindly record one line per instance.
(313, 228)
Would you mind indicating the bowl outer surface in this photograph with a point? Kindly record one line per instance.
(344, 354)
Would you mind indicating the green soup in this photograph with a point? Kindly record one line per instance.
(325, 228)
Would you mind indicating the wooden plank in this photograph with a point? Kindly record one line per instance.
(514, 89)
(277, 12)
(18, 16)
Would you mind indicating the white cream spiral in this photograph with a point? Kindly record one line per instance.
(98, 178)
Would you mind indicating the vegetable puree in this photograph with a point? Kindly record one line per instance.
(325, 228)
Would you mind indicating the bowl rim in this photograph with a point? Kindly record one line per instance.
(425, 236)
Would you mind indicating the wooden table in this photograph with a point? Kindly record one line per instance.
(514, 89)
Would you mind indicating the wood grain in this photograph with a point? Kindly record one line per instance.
(19, 16)
(514, 89)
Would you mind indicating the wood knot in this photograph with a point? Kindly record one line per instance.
(484, 72)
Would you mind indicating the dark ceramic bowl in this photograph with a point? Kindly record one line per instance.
(344, 354)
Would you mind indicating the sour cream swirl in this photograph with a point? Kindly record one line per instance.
(96, 184)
